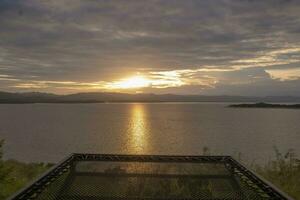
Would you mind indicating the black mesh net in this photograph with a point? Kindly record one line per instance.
(150, 180)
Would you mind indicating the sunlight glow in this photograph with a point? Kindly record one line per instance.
(133, 82)
(138, 135)
(153, 79)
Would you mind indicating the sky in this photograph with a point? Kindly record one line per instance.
(216, 47)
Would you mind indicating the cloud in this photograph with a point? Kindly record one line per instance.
(285, 74)
(193, 45)
(283, 56)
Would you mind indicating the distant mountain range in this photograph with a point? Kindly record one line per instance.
(100, 97)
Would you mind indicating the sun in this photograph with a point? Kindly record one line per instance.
(131, 83)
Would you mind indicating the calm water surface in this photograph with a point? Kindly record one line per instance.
(49, 132)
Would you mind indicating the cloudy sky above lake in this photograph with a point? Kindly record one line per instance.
(233, 47)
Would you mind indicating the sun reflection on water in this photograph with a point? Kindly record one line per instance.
(138, 135)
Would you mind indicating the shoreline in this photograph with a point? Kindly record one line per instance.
(265, 105)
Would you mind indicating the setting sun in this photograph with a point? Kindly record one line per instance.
(140, 84)
(132, 82)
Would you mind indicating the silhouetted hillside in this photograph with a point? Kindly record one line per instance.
(98, 97)
(265, 105)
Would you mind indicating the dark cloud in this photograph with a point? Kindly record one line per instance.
(98, 40)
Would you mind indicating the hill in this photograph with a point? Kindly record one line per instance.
(265, 105)
(100, 97)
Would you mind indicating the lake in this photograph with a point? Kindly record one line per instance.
(49, 132)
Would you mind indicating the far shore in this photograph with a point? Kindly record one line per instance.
(239, 105)
(265, 105)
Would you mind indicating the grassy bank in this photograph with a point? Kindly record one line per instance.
(284, 172)
(14, 174)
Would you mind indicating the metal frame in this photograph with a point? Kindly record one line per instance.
(252, 179)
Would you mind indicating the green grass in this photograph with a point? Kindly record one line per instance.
(14, 174)
(284, 172)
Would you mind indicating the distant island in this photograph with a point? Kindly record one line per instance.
(265, 105)
(106, 97)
